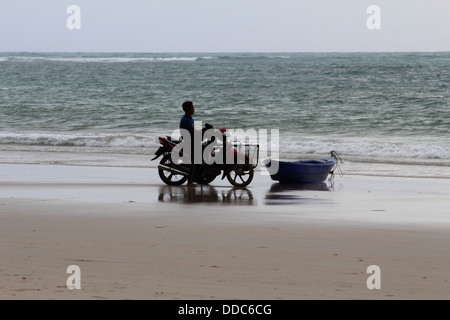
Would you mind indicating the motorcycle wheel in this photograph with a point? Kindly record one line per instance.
(239, 177)
(169, 178)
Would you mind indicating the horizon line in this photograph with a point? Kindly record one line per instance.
(230, 52)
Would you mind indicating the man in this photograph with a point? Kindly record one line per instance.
(187, 123)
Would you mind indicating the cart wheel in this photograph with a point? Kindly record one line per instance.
(170, 178)
(239, 177)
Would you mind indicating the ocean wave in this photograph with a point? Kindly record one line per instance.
(100, 60)
(367, 151)
(288, 146)
(88, 140)
(245, 56)
(105, 59)
(373, 147)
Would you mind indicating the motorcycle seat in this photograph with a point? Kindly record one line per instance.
(170, 139)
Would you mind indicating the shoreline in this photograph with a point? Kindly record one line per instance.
(135, 238)
(116, 157)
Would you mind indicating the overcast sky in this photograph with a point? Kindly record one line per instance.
(224, 26)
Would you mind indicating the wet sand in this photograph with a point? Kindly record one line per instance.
(135, 238)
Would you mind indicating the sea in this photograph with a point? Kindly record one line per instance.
(385, 114)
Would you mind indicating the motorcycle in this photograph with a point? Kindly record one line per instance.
(237, 160)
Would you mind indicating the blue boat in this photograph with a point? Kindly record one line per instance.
(302, 171)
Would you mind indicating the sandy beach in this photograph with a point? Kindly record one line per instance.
(135, 238)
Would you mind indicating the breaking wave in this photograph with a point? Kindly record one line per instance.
(288, 147)
(103, 59)
(367, 147)
(85, 140)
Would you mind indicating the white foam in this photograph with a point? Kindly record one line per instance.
(87, 140)
(373, 147)
(370, 147)
(108, 59)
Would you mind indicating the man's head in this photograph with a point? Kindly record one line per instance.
(188, 108)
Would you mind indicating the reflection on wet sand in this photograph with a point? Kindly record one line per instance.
(287, 193)
(278, 187)
(205, 194)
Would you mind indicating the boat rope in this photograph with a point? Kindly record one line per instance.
(339, 160)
